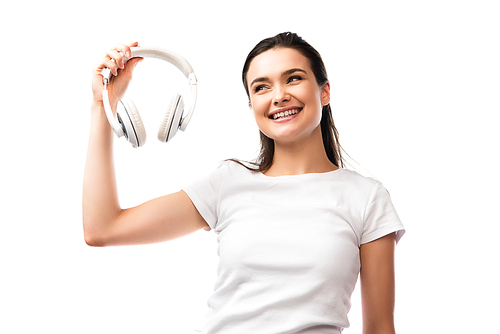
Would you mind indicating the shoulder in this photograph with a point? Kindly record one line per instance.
(237, 169)
(217, 178)
(355, 182)
(362, 191)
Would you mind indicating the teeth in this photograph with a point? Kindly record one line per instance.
(285, 113)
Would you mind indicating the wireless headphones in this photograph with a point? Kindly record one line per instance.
(128, 122)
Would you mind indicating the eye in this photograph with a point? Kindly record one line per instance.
(259, 88)
(294, 78)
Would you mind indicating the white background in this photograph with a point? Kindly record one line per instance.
(415, 96)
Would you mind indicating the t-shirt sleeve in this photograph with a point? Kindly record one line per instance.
(205, 193)
(380, 217)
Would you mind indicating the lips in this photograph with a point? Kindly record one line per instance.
(284, 112)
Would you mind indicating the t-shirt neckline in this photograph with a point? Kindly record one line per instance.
(320, 174)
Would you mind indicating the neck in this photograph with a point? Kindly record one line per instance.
(307, 156)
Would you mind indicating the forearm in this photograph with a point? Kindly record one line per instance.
(100, 196)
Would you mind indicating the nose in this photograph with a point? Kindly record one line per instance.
(281, 96)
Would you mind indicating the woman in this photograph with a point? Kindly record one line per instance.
(294, 228)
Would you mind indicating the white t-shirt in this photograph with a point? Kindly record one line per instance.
(288, 246)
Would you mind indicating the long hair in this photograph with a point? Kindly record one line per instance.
(328, 131)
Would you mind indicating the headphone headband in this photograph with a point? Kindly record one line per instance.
(163, 54)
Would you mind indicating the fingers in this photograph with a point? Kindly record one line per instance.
(125, 48)
(116, 57)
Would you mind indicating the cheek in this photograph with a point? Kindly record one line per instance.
(259, 107)
(259, 120)
(259, 115)
(315, 101)
(315, 110)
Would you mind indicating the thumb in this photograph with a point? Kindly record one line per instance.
(132, 63)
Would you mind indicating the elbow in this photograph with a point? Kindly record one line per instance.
(92, 241)
(99, 231)
(92, 237)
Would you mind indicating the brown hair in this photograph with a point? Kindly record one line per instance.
(328, 131)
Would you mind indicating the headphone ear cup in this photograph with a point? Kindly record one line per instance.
(135, 131)
(171, 120)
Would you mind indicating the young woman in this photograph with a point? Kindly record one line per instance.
(294, 228)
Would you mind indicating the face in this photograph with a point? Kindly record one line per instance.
(285, 98)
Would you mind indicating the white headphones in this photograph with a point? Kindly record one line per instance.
(128, 122)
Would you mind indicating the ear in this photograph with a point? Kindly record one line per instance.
(251, 109)
(325, 94)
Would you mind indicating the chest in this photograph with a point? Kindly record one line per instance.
(273, 239)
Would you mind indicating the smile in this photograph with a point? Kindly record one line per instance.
(283, 114)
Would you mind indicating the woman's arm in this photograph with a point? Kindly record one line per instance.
(377, 285)
(105, 223)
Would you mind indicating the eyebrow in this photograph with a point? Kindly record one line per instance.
(284, 74)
